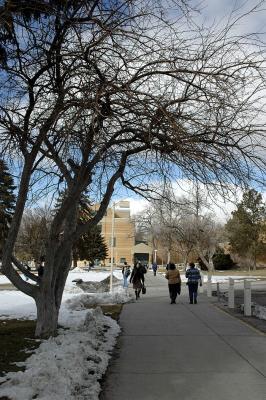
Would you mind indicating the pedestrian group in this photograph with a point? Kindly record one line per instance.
(172, 275)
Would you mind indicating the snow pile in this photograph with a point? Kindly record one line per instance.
(79, 269)
(120, 296)
(87, 276)
(15, 304)
(69, 365)
(102, 286)
(259, 312)
(4, 280)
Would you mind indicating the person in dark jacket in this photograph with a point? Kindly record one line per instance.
(194, 277)
(174, 282)
(40, 270)
(137, 278)
(154, 268)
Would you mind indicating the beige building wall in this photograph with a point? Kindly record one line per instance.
(124, 233)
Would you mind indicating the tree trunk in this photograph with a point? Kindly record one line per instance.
(254, 257)
(209, 264)
(47, 314)
(255, 263)
(49, 298)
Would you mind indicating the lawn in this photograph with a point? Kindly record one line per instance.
(18, 341)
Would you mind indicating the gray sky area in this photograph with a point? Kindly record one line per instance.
(219, 10)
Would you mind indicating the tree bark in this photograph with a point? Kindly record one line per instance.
(47, 314)
(209, 264)
(49, 297)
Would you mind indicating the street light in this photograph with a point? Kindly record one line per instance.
(112, 246)
(112, 243)
(112, 239)
(155, 254)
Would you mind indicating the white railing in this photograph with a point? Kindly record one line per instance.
(231, 292)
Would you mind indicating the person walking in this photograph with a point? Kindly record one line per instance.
(154, 268)
(125, 273)
(137, 278)
(40, 270)
(174, 282)
(194, 278)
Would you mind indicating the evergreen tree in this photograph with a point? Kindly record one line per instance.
(7, 201)
(221, 261)
(246, 229)
(92, 245)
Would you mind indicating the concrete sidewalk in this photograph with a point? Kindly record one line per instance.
(191, 352)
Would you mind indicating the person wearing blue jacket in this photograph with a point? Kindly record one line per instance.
(193, 279)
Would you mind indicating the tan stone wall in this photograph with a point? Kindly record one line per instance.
(124, 234)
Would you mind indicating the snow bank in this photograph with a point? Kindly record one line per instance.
(70, 365)
(15, 304)
(90, 276)
(4, 280)
(118, 296)
(259, 311)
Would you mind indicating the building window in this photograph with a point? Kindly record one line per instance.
(122, 260)
(114, 242)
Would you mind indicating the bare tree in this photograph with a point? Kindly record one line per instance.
(33, 234)
(148, 226)
(184, 236)
(207, 237)
(205, 231)
(94, 93)
(183, 225)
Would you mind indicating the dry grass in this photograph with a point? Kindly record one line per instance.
(17, 343)
(7, 286)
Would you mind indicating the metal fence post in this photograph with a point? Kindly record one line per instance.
(247, 298)
(209, 286)
(218, 291)
(231, 294)
(201, 288)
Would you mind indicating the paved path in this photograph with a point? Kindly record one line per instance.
(183, 351)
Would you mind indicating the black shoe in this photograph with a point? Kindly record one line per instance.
(172, 302)
(191, 302)
(195, 302)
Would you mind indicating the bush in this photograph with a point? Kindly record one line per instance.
(223, 261)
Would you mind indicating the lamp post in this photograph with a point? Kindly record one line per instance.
(168, 256)
(112, 246)
(155, 255)
(119, 202)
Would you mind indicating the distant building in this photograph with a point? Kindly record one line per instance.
(142, 252)
(124, 233)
